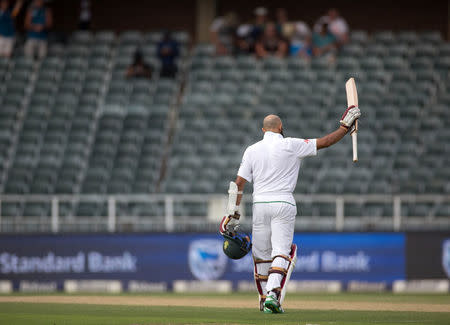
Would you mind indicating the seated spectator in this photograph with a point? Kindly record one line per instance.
(245, 44)
(7, 28)
(38, 21)
(301, 40)
(85, 15)
(223, 31)
(260, 23)
(271, 44)
(168, 51)
(336, 25)
(284, 27)
(139, 69)
(248, 34)
(324, 43)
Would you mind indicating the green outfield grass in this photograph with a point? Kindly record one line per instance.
(71, 314)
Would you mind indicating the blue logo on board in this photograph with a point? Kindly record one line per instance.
(446, 256)
(206, 260)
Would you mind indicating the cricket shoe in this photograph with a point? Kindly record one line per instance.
(273, 304)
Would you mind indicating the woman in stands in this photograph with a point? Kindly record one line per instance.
(7, 28)
(271, 44)
(38, 21)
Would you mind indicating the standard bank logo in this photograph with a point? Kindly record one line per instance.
(446, 256)
(206, 260)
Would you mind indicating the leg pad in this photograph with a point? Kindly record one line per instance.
(261, 276)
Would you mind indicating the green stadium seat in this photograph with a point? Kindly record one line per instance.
(408, 37)
(431, 37)
(371, 63)
(376, 50)
(105, 36)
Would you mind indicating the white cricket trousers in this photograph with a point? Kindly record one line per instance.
(272, 235)
(6, 46)
(33, 46)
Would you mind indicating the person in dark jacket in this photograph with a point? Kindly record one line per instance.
(168, 51)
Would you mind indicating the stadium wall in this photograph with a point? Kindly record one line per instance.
(184, 262)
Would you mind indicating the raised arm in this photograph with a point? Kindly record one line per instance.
(48, 18)
(27, 24)
(347, 120)
(331, 138)
(17, 8)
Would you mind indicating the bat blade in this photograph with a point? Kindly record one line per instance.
(352, 99)
(352, 93)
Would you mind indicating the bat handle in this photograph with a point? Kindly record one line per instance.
(355, 142)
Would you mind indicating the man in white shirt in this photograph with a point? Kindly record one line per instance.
(272, 165)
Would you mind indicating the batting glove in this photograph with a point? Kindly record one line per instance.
(229, 223)
(349, 117)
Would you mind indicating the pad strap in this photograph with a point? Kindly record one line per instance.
(261, 277)
(287, 258)
(279, 270)
(263, 261)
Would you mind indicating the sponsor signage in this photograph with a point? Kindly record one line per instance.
(164, 258)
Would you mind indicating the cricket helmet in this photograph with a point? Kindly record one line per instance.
(236, 245)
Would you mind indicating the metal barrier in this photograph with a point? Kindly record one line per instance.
(168, 222)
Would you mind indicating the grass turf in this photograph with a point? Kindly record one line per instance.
(68, 314)
(345, 296)
(71, 314)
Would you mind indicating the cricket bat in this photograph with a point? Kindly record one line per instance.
(352, 99)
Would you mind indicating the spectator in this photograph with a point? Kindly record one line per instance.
(223, 31)
(7, 28)
(249, 34)
(301, 40)
(284, 27)
(38, 21)
(324, 43)
(85, 15)
(245, 44)
(168, 51)
(260, 23)
(139, 69)
(296, 34)
(336, 25)
(271, 44)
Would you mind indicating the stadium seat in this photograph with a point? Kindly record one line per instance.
(72, 124)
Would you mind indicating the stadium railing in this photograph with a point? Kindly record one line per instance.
(170, 221)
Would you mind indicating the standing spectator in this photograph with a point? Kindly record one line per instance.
(139, 69)
(301, 40)
(336, 25)
(168, 51)
(271, 44)
(324, 43)
(85, 15)
(7, 28)
(223, 31)
(38, 21)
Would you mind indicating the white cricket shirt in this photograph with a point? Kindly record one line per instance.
(272, 165)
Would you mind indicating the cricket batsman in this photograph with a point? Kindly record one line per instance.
(273, 164)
